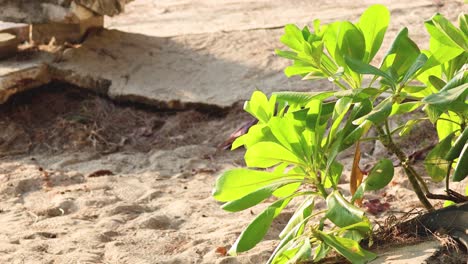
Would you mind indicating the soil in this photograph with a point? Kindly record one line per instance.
(85, 179)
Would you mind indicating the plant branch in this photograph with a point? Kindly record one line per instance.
(410, 172)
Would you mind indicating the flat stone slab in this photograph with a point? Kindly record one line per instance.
(8, 45)
(173, 18)
(417, 253)
(178, 72)
(169, 68)
(209, 69)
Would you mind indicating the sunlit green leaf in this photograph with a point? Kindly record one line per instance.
(237, 183)
(333, 176)
(259, 107)
(268, 154)
(257, 229)
(251, 199)
(447, 124)
(398, 109)
(373, 23)
(447, 32)
(293, 37)
(301, 98)
(443, 47)
(401, 55)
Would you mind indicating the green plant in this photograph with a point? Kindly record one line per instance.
(292, 151)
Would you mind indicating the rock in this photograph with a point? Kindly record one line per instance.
(8, 45)
(20, 30)
(46, 11)
(65, 32)
(104, 7)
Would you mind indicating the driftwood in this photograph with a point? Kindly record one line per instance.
(451, 221)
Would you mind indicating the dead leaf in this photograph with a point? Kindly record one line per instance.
(221, 250)
(376, 207)
(100, 173)
(356, 173)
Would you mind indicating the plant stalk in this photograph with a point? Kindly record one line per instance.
(410, 172)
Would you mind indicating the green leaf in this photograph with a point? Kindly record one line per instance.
(251, 199)
(364, 68)
(435, 164)
(417, 65)
(298, 218)
(341, 212)
(401, 55)
(380, 176)
(285, 243)
(447, 124)
(448, 33)
(437, 82)
(358, 94)
(457, 147)
(363, 227)
(257, 133)
(333, 176)
(442, 47)
(303, 68)
(398, 109)
(378, 114)
(355, 135)
(287, 54)
(301, 98)
(257, 229)
(461, 169)
(293, 251)
(259, 107)
(293, 37)
(408, 126)
(446, 97)
(321, 251)
(237, 183)
(341, 109)
(344, 39)
(373, 23)
(351, 41)
(348, 248)
(463, 22)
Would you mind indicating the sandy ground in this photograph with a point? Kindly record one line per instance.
(85, 180)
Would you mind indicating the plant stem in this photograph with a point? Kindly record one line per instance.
(410, 172)
(322, 190)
